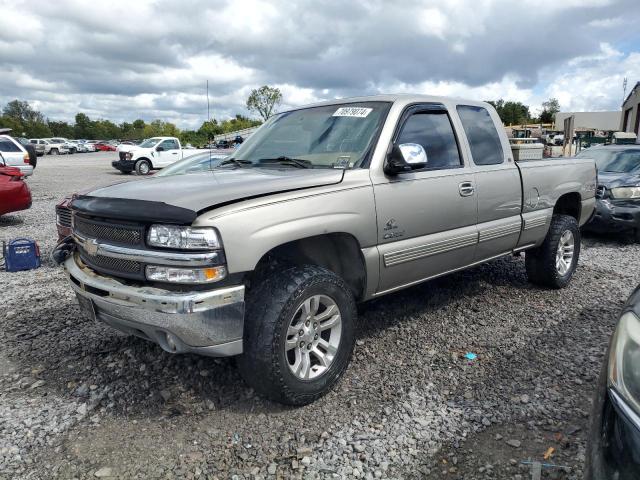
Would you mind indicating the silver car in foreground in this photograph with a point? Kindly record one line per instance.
(266, 254)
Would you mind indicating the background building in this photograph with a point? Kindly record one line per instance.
(630, 120)
(606, 121)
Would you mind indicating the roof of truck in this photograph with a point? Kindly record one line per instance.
(405, 98)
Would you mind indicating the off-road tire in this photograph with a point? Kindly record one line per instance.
(271, 306)
(140, 167)
(541, 261)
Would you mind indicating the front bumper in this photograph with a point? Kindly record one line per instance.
(203, 322)
(615, 216)
(124, 165)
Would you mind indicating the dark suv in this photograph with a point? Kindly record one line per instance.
(618, 190)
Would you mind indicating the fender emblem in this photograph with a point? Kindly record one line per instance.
(391, 224)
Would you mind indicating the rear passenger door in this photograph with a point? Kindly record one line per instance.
(426, 218)
(497, 180)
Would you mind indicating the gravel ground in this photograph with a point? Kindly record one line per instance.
(79, 400)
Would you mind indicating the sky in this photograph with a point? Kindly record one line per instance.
(123, 60)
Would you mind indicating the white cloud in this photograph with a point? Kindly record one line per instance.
(126, 59)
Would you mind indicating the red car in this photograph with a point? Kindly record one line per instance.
(105, 147)
(14, 192)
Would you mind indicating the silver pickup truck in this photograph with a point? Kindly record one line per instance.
(266, 255)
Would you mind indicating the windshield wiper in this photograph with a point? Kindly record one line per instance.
(282, 160)
(236, 162)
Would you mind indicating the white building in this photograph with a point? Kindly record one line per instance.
(605, 121)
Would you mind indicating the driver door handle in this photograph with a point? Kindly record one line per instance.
(466, 189)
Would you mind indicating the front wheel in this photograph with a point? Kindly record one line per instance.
(553, 263)
(54, 151)
(143, 167)
(299, 334)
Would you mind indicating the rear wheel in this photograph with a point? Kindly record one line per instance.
(299, 334)
(553, 263)
(143, 167)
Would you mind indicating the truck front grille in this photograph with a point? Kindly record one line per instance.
(114, 266)
(109, 232)
(63, 216)
(122, 155)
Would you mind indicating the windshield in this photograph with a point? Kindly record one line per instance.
(197, 163)
(615, 161)
(150, 142)
(333, 136)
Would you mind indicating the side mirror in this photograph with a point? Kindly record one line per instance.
(159, 149)
(405, 157)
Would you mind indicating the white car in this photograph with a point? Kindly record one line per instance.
(71, 147)
(55, 147)
(15, 155)
(90, 145)
(80, 146)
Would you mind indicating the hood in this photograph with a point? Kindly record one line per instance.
(205, 190)
(613, 179)
(126, 148)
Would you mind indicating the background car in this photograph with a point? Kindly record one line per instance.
(200, 162)
(14, 192)
(55, 148)
(618, 189)
(15, 155)
(613, 450)
(31, 150)
(39, 145)
(105, 147)
(71, 147)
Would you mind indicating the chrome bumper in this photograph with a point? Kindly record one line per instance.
(203, 322)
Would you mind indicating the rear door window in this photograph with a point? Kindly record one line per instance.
(8, 146)
(484, 141)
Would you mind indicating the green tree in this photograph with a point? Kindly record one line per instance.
(82, 128)
(209, 129)
(549, 110)
(511, 113)
(60, 129)
(264, 101)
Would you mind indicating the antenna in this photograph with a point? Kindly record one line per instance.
(624, 90)
(209, 124)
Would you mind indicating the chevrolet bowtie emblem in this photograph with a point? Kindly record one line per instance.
(91, 247)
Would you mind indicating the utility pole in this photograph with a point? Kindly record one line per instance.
(624, 89)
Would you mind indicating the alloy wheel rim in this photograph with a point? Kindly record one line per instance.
(313, 337)
(144, 169)
(564, 254)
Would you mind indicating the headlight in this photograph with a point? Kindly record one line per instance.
(625, 192)
(185, 275)
(624, 360)
(185, 238)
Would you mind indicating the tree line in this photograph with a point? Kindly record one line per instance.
(25, 121)
(517, 113)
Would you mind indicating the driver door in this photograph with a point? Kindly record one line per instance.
(169, 154)
(426, 218)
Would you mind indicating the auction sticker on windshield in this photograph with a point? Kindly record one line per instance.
(360, 112)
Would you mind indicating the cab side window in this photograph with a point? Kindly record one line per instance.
(169, 145)
(484, 142)
(432, 130)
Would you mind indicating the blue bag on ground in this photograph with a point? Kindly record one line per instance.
(21, 254)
